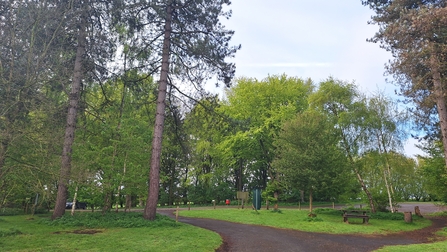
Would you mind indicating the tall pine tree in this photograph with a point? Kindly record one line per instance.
(188, 45)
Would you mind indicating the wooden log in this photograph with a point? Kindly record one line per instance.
(417, 211)
(408, 217)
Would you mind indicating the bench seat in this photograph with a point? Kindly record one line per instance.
(347, 216)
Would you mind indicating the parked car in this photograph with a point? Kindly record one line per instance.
(79, 205)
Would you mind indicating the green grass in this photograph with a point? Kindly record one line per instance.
(113, 232)
(432, 247)
(327, 220)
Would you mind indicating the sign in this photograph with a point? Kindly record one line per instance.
(242, 195)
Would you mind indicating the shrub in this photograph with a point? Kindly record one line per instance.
(108, 220)
(328, 211)
(10, 232)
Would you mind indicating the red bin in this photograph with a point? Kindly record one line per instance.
(227, 202)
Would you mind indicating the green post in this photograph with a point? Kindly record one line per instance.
(257, 199)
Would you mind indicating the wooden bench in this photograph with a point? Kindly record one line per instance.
(355, 214)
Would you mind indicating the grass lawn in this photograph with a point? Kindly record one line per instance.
(327, 220)
(432, 247)
(36, 233)
(435, 246)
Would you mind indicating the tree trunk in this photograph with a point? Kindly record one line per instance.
(359, 177)
(390, 200)
(121, 181)
(310, 203)
(440, 102)
(386, 171)
(3, 150)
(115, 146)
(408, 217)
(73, 206)
(107, 196)
(239, 186)
(275, 195)
(74, 97)
(3, 170)
(365, 189)
(128, 203)
(387, 162)
(154, 174)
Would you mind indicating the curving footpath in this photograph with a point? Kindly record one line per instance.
(246, 238)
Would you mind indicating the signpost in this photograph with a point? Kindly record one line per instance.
(243, 196)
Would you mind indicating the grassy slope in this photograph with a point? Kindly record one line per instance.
(26, 233)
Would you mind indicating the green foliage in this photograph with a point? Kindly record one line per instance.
(388, 216)
(278, 211)
(377, 216)
(443, 213)
(10, 211)
(268, 192)
(10, 232)
(258, 110)
(309, 156)
(313, 219)
(110, 220)
(380, 199)
(434, 173)
(327, 211)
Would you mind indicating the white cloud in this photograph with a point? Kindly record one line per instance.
(274, 65)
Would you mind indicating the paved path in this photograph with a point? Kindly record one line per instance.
(241, 237)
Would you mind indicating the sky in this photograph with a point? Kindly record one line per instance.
(310, 39)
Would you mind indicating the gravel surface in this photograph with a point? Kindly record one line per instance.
(241, 237)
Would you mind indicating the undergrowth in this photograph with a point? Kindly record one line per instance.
(10, 232)
(376, 216)
(110, 220)
(313, 219)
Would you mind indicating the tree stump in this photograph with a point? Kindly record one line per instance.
(417, 211)
(408, 217)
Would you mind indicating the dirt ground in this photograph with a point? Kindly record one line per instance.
(240, 237)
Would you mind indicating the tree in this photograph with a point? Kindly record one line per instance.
(259, 108)
(111, 144)
(193, 45)
(29, 30)
(309, 156)
(208, 176)
(342, 102)
(415, 32)
(74, 97)
(85, 19)
(433, 171)
(386, 135)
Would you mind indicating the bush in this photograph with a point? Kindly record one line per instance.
(10, 232)
(276, 211)
(328, 211)
(387, 216)
(109, 220)
(10, 211)
(313, 219)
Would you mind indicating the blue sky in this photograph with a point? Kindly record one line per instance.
(310, 39)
